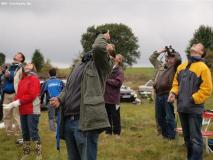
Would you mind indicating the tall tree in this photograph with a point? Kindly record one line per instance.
(126, 43)
(38, 60)
(203, 34)
(46, 67)
(2, 58)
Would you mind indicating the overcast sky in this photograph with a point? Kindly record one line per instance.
(55, 26)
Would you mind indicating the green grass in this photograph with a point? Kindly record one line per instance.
(138, 140)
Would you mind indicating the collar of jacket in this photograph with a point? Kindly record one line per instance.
(53, 77)
(193, 59)
(30, 74)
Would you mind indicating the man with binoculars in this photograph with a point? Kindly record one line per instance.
(164, 111)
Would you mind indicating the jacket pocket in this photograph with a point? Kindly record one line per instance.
(95, 111)
(92, 86)
(93, 100)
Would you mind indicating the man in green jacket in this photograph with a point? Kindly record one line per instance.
(82, 103)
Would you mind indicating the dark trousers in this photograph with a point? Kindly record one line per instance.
(191, 124)
(29, 126)
(166, 116)
(80, 145)
(1, 106)
(114, 119)
(1, 112)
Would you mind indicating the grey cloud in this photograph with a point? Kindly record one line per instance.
(55, 26)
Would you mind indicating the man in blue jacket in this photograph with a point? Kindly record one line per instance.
(52, 88)
(12, 76)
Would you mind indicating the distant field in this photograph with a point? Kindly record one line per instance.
(137, 76)
(134, 76)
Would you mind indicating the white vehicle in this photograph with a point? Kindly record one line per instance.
(127, 94)
(145, 91)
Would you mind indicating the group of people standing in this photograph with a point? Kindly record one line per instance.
(21, 104)
(89, 102)
(191, 84)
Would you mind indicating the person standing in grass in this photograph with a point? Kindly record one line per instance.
(165, 117)
(28, 101)
(52, 88)
(82, 104)
(112, 96)
(192, 86)
(12, 76)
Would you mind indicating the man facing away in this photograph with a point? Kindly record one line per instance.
(52, 88)
(82, 102)
(192, 86)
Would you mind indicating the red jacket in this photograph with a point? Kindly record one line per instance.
(28, 94)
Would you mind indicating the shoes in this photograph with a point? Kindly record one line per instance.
(117, 136)
(19, 141)
(9, 134)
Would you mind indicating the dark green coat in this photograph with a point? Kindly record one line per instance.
(93, 115)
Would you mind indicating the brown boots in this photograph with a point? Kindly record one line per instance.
(38, 150)
(26, 150)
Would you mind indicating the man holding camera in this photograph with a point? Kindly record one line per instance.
(82, 102)
(12, 76)
(164, 110)
(192, 86)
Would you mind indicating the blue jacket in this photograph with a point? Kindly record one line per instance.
(8, 86)
(52, 88)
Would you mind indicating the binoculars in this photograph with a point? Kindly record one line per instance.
(169, 50)
(4, 68)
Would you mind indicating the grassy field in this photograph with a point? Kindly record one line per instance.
(138, 141)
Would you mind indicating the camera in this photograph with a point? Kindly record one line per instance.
(169, 50)
(4, 68)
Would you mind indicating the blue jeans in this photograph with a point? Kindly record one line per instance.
(80, 145)
(52, 113)
(191, 124)
(29, 126)
(165, 116)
